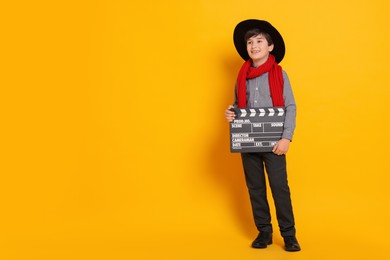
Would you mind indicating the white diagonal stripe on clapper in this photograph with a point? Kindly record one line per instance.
(262, 112)
(253, 112)
(281, 111)
(271, 112)
(243, 112)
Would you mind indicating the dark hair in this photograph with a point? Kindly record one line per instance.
(255, 32)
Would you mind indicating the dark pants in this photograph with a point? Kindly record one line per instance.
(275, 166)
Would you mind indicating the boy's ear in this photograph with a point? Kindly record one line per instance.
(270, 47)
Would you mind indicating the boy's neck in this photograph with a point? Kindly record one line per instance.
(257, 63)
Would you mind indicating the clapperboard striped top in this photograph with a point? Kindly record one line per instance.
(252, 112)
(256, 129)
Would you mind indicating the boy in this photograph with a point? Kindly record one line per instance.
(261, 82)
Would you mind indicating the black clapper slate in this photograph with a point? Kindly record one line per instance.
(256, 129)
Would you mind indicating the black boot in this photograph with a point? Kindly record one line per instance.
(291, 244)
(262, 240)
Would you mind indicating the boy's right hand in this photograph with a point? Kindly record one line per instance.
(229, 115)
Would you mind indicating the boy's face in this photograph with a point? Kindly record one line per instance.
(258, 49)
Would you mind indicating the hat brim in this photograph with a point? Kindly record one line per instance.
(244, 26)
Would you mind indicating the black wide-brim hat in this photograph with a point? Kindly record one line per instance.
(244, 26)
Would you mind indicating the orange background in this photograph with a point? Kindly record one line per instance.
(114, 144)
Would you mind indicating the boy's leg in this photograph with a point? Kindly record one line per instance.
(255, 181)
(277, 176)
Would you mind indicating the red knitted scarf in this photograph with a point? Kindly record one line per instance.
(275, 79)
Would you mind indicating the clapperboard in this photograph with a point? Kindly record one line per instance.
(256, 129)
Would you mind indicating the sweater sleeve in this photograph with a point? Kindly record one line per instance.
(289, 103)
(235, 104)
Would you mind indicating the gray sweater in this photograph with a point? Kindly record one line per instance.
(258, 95)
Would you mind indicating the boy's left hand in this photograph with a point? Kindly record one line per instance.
(281, 147)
